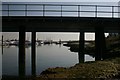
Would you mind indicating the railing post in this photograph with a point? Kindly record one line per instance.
(43, 10)
(61, 10)
(25, 9)
(96, 11)
(78, 10)
(112, 11)
(8, 9)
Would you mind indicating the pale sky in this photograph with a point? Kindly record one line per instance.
(60, 0)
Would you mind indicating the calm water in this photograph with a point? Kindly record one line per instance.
(46, 56)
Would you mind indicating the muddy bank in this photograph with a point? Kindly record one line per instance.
(98, 69)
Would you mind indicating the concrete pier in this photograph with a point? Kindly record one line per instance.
(100, 44)
(21, 51)
(81, 57)
(2, 44)
(33, 54)
(81, 47)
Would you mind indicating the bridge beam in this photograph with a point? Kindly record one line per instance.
(33, 57)
(100, 44)
(21, 51)
(81, 47)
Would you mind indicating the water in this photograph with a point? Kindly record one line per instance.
(47, 56)
(0, 63)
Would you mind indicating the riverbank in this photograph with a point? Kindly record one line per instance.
(112, 47)
(109, 67)
(98, 69)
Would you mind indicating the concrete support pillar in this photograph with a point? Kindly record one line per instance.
(33, 56)
(81, 57)
(81, 47)
(2, 44)
(119, 34)
(100, 44)
(21, 51)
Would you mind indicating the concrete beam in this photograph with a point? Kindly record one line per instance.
(54, 24)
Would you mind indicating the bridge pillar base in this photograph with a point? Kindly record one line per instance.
(100, 44)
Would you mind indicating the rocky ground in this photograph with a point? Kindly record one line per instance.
(99, 69)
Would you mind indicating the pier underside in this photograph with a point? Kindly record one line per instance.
(59, 24)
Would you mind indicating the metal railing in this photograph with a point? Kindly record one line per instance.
(60, 10)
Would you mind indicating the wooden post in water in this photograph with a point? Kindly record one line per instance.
(33, 56)
(81, 47)
(22, 52)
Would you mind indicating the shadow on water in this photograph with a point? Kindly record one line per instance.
(22, 67)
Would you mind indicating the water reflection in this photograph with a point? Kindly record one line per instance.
(85, 58)
(25, 64)
(22, 63)
(10, 61)
(89, 58)
(0, 63)
(81, 57)
(47, 56)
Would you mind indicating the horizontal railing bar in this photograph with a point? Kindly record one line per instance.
(22, 10)
(63, 5)
(60, 11)
(63, 11)
(105, 12)
(42, 4)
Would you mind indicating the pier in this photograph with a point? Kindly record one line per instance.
(24, 22)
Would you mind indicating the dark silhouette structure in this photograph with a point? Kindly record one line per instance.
(61, 23)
